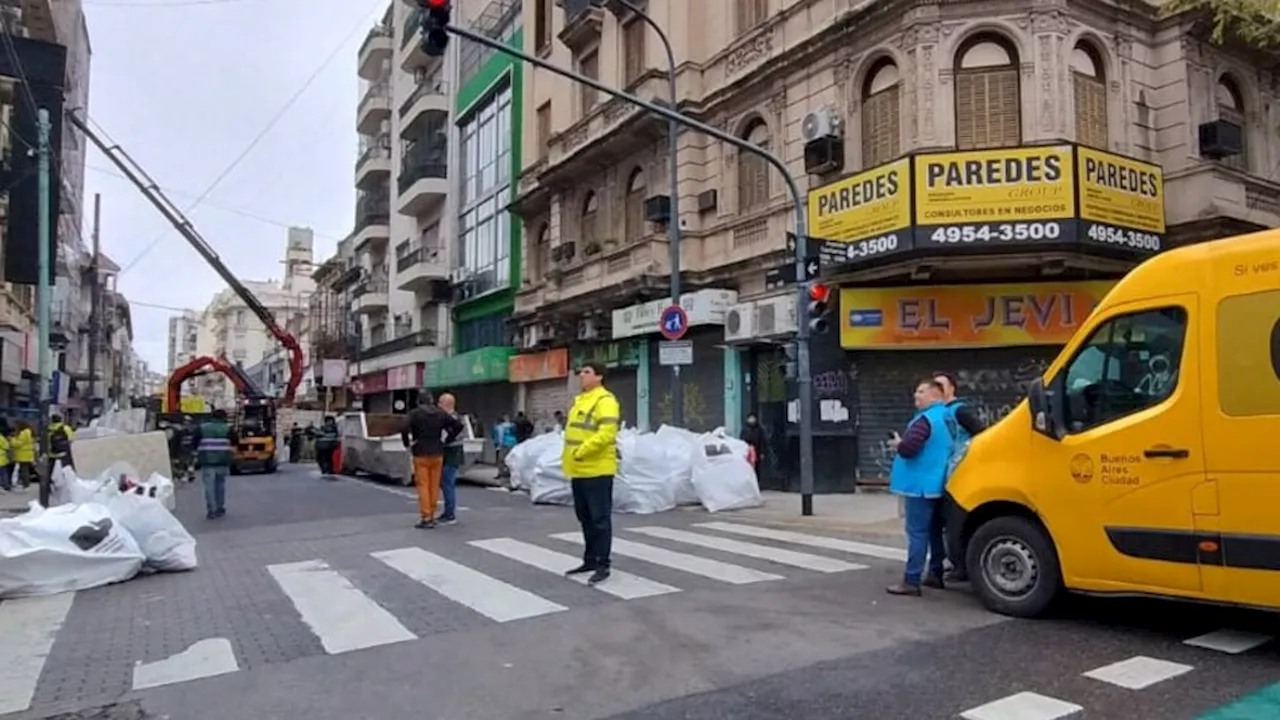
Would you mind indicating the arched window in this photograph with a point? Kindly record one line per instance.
(590, 217)
(988, 104)
(753, 172)
(1231, 108)
(881, 121)
(540, 255)
(635, 222)
(1089, 85)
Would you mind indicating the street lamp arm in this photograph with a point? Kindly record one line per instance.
(803, 379)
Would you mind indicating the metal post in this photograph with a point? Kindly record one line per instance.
(43, 292)
(804, 382)
(673, 221)
(95, 305)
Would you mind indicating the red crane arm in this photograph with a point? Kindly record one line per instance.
(197, 366)
(151, 191)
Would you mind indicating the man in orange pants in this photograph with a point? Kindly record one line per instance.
(428, 430)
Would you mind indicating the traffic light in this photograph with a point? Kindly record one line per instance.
(435, 18)
(790, 366)
(819, 307)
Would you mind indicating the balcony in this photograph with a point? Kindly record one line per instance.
(412, 56)
(428, 105)
(373, 167)
(416, 269)
(370, 296)
(406, 341)
(583, 20)
(374, 108)
(423, 182)
(373, 219)
(621, 272)
(375, 51)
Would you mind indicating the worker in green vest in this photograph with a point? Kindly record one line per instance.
(215, 443)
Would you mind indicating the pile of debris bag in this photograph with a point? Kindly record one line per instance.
(657, 471)
(95, 532)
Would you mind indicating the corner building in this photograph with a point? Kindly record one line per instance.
(978, 175)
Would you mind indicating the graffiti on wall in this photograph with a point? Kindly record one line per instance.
(994, 392)
(696, 411)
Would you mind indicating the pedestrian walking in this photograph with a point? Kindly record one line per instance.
(524, 427)
(590, 462)
(6, 456)
(214, 443)
(295, 444)
(24, 452)
(964, 425)
(753, 435)
(60, 436)
(454, 456)
(428, 430)
(919, 475)
(504, 438)
(327, 445)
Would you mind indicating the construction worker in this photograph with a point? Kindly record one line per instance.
(6, 457)
(590, 461)
(23, 445)
(60, 437)
(214, 443)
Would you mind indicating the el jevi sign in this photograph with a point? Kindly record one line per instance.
(967, 315)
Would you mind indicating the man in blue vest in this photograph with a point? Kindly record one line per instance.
(919, 476)
(215, 443)
(965, 425)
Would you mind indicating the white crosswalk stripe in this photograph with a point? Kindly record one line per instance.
(28, 627)
(486, 595)
(340, 615)
(817, 541)
(714, 569)
(620, 584)
(817, 563)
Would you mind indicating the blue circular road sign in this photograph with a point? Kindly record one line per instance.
(673, 322)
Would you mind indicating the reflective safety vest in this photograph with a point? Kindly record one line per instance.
(591, 434)
(215, 448)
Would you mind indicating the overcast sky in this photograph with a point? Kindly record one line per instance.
(184, 86)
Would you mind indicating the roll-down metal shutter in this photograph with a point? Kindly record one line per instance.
(543, 399)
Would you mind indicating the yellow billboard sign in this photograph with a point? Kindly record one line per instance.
(1120, 192)
(990, 197)
(867, 205)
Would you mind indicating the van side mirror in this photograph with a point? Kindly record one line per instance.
(1044, 415)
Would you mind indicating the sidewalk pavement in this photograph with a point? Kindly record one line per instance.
(15, 502)
(868, 515)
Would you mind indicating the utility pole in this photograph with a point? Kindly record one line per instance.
(803, 379)
(95, 305)
(44, 289)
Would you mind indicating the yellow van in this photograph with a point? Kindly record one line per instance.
(1147, 459)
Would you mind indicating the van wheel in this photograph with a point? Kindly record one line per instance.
(1013, 566)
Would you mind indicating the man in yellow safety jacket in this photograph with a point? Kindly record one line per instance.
(60, 437)
(590, 461)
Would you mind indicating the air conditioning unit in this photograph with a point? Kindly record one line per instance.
(530, 336)
(740, 323)
(821, 123)
(591, 329)
(776, 316)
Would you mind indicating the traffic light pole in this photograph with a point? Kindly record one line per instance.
(803, 379)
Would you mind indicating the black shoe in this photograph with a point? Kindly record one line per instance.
(583, 568)
(426, 524)
(220, 513)
(957, 576)
(598, 576)
(210, 515)
(448, 520)
(934, 580)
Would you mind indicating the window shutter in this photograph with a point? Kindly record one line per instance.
(966, 111)
(1005, 98)
(1231, 115)
(881, 137)
(1091, 110)
(988, 112)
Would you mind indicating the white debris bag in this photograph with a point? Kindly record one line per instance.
(68, 488)
(722, 474)
(549, 485)
(680, 445)
(64, 548)
(523, 458)
(166, 545)
(647, 475)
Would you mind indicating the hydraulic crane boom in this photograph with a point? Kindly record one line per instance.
(151, 191)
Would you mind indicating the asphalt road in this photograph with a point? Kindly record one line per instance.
(319, 599)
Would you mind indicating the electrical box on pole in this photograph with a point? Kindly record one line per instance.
(435, 18)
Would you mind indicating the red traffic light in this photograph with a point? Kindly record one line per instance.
(819, 292)
(438, 4)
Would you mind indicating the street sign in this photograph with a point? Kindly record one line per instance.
(673, 323)
(675, 352)
(785, 273)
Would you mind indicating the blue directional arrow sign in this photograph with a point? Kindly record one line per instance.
(673, 323)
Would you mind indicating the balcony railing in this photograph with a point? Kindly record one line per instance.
(422, 164)
(406, 260)
(375, 283)
(421, 338)
(430, 86)
(377, 91)
(375, 150)
(378, 31)
(373, 208)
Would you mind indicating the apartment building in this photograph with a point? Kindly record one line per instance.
(184, 333)
(333, 333)
(976, 175)
(48, 59)
(229, 329)
(401, 294)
